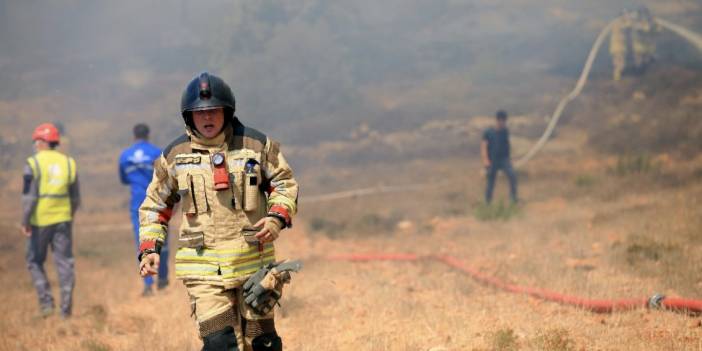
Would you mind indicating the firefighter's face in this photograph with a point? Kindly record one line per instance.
(209, 122)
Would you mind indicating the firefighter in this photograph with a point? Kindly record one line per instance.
(50, 198)
(619, 45)
(632, 42)
(643, 45)
(237, 192)
(136, 170)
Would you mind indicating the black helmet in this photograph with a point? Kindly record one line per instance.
(206, 91)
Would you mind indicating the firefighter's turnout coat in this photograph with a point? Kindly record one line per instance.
(215, 220)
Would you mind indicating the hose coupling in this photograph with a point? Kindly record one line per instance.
(655, 301)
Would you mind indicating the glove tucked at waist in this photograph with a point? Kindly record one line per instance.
(265, 287)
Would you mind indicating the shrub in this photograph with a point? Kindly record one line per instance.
(585, 180)
(503, 340)
(494, 212)
(94, 345)
(373, 223)
(634, 164)
(329, 228)
(557, 339)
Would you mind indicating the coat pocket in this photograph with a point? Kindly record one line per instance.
(193, 193)
(186, 197)
(193, 240)
(252, 179)
(199, 192)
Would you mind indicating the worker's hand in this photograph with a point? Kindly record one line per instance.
(149, 264)
(26, 230)
(487, 163)
(270, 231)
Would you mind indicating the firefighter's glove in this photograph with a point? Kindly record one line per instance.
(265, 287)
(270, 229)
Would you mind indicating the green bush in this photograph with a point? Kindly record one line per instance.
(585, 180)
(319, 224)
(697, 173)
(503, 340)
(329, 228)
(634, 164)
(374, 223)
(644, 253)
(496, 212)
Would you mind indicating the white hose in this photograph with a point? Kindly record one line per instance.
(367, 191)
(691, 36)
(568, 98)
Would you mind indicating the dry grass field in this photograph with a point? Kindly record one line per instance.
(598, 228)
(366, 94)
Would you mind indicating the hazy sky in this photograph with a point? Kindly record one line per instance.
(305, 70)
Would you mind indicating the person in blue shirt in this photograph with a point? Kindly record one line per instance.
(495, 153)
(136, 170)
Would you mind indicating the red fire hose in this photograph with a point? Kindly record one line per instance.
(657, 301)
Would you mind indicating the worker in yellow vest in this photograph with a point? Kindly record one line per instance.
(50, 197)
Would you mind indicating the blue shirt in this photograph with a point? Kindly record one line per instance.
(497, 143)
(136, 167)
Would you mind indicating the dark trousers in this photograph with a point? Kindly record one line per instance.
(59, 238)
(163, 266)
(506, 167)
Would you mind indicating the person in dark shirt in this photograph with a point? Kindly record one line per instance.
(494, 150)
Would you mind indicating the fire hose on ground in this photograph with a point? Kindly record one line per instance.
(657, 301)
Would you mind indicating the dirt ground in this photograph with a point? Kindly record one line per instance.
(589, 228)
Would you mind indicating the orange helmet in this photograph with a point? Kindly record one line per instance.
(46, 132)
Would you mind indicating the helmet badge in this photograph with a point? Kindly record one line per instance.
(205, 92)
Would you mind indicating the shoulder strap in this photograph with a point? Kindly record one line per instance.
(70, 173)
(36, 168)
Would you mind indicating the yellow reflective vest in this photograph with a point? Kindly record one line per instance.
(54, 173)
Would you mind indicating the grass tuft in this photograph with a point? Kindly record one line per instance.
(557, 339)
(318, 224)
(634, 164)
(496, 212)
(503, 340)
(585, 180)
(94, 345)
(645, 249)
(99, 315)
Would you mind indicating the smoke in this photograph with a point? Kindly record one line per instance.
(306, 71)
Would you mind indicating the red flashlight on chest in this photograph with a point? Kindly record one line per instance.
(220, 174)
